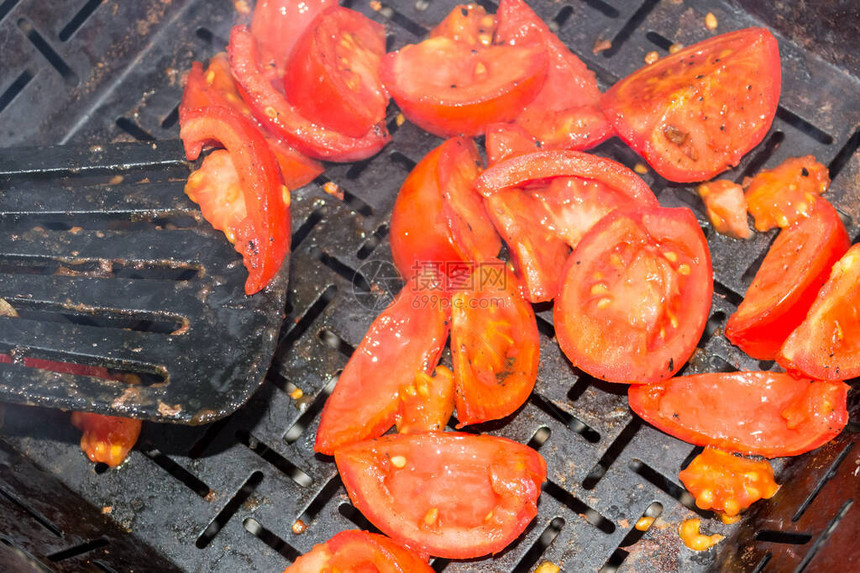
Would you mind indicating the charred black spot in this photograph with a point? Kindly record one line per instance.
(804, 171)
(464, 11)
(671, 364)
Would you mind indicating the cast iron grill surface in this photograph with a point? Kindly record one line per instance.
(106, 262)
(226, 497)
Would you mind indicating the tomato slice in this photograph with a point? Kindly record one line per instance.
(505, 140)
(727, 207)
(332, 77)
(216, 87)
(278, 24)
(106, 439)
(494, 347)
(405, 339)
(695, 113)
(758, 413)
(773, 306)
(826, 345)
(359, 552)
(273, 110)
(263, 237)
(426, 404)
(565, 114)
(448, 87)
(726, 483)
(780, 196)
(444, 493)
(438, 219)
(636, 295)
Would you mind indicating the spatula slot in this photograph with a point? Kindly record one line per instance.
(139, 321)
(152, 270)
(63, 363)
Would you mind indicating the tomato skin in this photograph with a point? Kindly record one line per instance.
(216, 87)
(757, 413)
(726, 483)
(773, 306)
(695, 113)
(446, 494)
(826, 345)
(504, 140)
(565, 114)
(106, 439)
(438, 218)
(781, 196)
(332, 77)
(353, 551)
(406, 338)
(636, 295)
(272, 109)
(278, 24)
(263, 237)
(468, 88)
(520, 170)
(494, 347)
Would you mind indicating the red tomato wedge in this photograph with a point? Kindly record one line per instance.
(216, 87)
(427, 403)
(774, 306)
(359, 552)
(405, 339)
(565, 114)
(636, 295)
(332, 77)
(273, 110)
(106, 439)
(216, 187)
(446, 494)
(494, 347)
(505, 140)
(758, 413)
(826, 345)
(263, 237)
(695, 113)
(449, 88)
(780, 196)
(438, 219)
(543, 201)
(727, 483)
(726, 206)
(278, 24)
(537, 253)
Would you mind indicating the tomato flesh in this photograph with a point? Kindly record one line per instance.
(405, 339)
(427, 403)
(469, 24)
(695, 113)
(780, 196)
(448, 88)
(494, 347)
(636, 295)
(263, 237)
(726, 206)
(758, 413)
(359, 552)
(826, 345)
(332, 77)
(272, 109)
(446, 494)
(106, 439)
(773, 306)
(726, 483)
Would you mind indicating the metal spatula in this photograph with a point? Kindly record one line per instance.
(105, 263)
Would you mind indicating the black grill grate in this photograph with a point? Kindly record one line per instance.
(226, 497)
